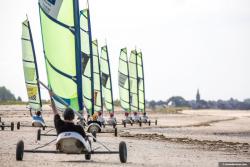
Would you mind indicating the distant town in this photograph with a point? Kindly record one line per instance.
(175, 101)
(198, 103)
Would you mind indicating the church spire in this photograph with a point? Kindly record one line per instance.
(198, 97)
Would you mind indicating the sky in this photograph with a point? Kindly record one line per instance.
(186, 44)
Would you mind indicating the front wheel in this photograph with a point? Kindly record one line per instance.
(18, 125)
(123, 152)
(87, 156)
(115, 132)
(12, 126)
(19, 150)
(3, 126)
(38, 135)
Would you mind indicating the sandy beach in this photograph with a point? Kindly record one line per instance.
(187, 138)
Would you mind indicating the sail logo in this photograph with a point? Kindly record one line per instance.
(51, 7)
(85, 60)
(52, 1)
(105, 78)
(95, 97)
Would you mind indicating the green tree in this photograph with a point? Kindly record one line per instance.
(6, 95)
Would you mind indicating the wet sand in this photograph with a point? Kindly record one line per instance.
(188, 138)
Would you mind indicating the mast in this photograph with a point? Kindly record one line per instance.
(91, 60)
(129, 94)
(138, 103)
(78, 53)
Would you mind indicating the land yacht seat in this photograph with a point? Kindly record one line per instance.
(72, 143)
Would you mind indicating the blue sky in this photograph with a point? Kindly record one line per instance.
(187, 44)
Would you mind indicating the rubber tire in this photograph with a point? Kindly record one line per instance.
(38, 135)
(94, 134)
(149, 123)
(155, 122)
(87, 156)
(123, 152)
(19, 150)
(124, 124)
(3, 126)
(12, 126)
(116, 132)
(18, 125)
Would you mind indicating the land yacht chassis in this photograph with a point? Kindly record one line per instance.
(74, 143)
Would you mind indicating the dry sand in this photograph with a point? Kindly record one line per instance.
(190, 138)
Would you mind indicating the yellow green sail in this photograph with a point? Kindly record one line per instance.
(30, 68)
(141, 86)
(133, 74)
(98, 105)
(106, 80)
(124, 80)
(87, 59)
(62, 50)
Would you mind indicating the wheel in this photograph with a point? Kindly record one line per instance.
(44, 127)
(2, 126)
(123, 152)
(18, 125)
(115, 132)
(149, 123)
(19, 150)
(12, 126)
(124, 124)
(94, 134)
(140, 123)
(38, 134)
(155, 122)
(87, 156)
